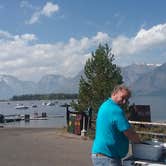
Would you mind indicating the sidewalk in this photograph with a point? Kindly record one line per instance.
(42, 147)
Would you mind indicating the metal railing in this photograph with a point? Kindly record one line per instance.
(150, 124)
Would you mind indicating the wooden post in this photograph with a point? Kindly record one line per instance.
(27, 117)
(67, 114)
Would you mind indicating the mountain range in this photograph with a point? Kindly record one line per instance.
(143, 79)
(152, 82)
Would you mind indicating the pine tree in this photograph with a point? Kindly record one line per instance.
(100, 77)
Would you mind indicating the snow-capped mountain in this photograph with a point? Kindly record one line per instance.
(132, 72)
(143, 79)
(10, 86)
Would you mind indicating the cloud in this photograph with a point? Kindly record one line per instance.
(26, 4)
(35, 17)
(4, 34)
(28, 37)
(22, 56)
(144, 40)
(48, 10)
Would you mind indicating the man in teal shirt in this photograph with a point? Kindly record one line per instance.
(113, 130)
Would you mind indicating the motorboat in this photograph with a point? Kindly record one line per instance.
(21, 106)
(50, 104)
(34, 105)
(44, 103)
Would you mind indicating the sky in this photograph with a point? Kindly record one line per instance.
(39, 37)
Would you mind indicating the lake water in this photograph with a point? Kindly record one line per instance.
(157, 105)
(56, 114)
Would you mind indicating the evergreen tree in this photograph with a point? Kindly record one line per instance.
(100, 77)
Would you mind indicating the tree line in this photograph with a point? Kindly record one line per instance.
(52, 96)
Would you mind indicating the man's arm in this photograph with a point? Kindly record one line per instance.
(132, 135)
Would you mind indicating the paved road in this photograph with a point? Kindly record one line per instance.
(42, 147)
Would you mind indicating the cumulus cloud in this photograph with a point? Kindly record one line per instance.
(23, 56)
(144, 40)
(48, 10)
(4, 34)
(28, 60)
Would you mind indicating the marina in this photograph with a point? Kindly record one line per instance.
(56, 113)
(33, 113)
(26, 117)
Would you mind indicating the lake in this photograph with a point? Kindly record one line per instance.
(56, 114)
(157, 106)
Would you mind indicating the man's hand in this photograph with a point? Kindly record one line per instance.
(132, 135)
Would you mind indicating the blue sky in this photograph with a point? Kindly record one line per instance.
(39, 37)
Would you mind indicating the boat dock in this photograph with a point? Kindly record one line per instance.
(26, 117)
(9, 118)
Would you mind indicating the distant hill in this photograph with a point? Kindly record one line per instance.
(151, 83)
(133, 72)
(10, 86)
(143, 80)
(57, 84)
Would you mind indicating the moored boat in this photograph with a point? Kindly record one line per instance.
(21, 107)
(34, 106)
(50, 103)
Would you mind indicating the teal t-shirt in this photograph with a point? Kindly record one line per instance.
(110, 124)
